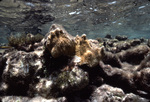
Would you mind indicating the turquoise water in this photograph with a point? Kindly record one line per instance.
(95, 18)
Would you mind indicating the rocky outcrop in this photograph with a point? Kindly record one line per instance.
(61, 67)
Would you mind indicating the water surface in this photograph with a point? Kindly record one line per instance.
(96, 18)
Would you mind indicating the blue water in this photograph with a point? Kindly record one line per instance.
(133, 22)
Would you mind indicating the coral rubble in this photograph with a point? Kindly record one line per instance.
(63, 68)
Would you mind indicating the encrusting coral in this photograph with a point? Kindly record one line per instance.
(60, 43)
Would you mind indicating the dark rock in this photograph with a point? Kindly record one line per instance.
(110, 42)
(41, 99)
(108, 36)
(100, 40)
(133, 98)
(27, 99)
(2, 65)
(135, 42)
(129, 80)
(111, 59)
(121, 38)
(3, 88)
(116, 46)
(106, 93)
(59, 84)
(142, 39)
(134, 55)
(14, 99)
(148, 43)
(20, 69)
(145, 62)
(142, 79)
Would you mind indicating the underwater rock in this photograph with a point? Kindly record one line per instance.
(41, 99)
(133, 98)
(110, 58)
(142, 79)
(128, 79)
(2, 65)
(134, 55)
(14, 99)
(60, 43)
(28, 99)
(74, 80)
(121, 77)
(148, 43)
(116, 46)
(3, 88)
(107, 93)
(59, 84)
(145, 63)
(59, 66)
(121, 38)
(108, 36)
(21, 67)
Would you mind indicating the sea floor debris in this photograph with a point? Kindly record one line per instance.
(61, 67)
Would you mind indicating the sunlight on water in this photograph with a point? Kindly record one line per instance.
(95, 18)
(110, 3)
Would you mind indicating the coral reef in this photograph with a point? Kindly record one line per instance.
(63, 68)
(59, 43)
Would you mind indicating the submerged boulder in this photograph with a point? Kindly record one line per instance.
(21, 67)
(59, 84)
(107, 93)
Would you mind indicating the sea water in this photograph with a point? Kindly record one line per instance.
(96, 18)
